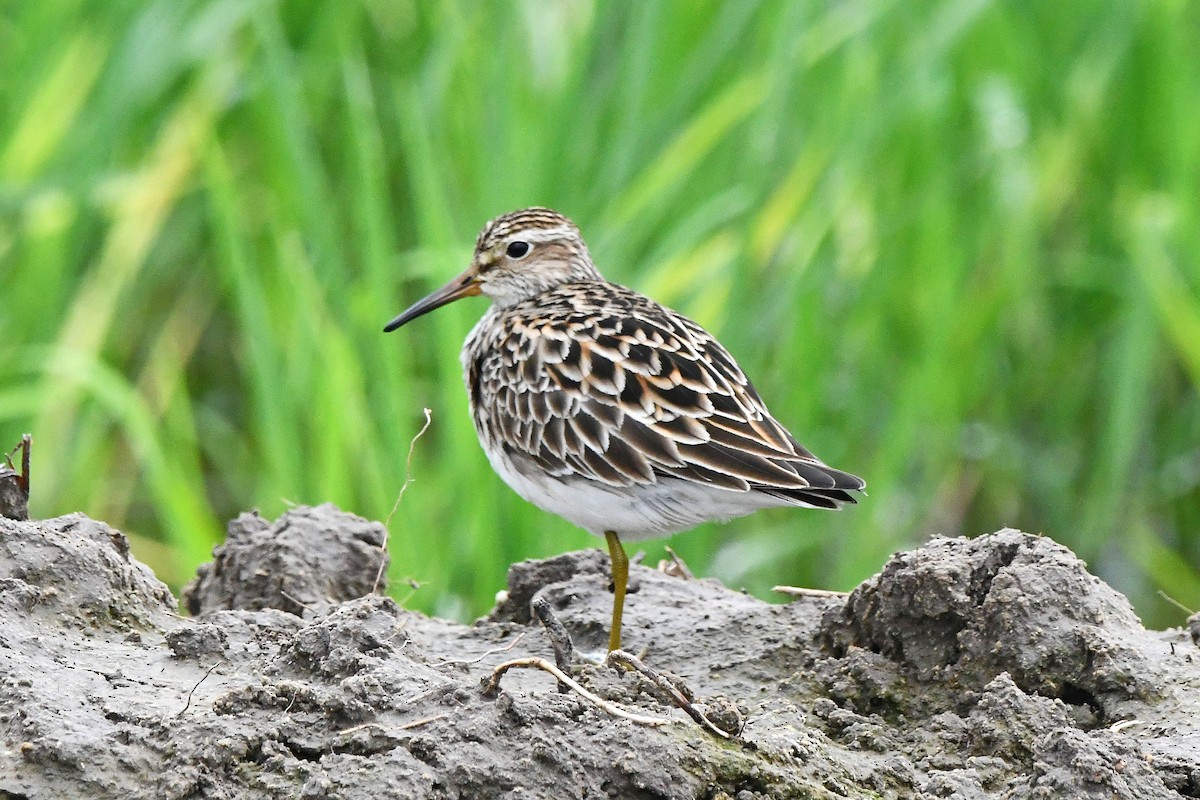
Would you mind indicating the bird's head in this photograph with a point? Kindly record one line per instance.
(518, 255)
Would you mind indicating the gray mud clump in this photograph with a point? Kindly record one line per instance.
(966, 611)
(306, 560)
(987, 668)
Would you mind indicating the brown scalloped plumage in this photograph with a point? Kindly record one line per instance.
(593, 381)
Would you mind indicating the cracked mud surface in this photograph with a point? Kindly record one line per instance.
(989, 668)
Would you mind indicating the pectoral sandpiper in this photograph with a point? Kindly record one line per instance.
(598, 404)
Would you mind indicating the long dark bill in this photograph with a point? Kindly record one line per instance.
(462, 286)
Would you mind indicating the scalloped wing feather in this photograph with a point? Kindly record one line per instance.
(599, 382)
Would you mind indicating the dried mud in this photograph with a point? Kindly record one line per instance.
(987, 668)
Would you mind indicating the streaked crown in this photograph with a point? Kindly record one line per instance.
(523, 253)
(544, 223)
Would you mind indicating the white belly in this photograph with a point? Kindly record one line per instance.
(634, 512)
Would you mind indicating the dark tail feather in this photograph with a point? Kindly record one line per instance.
(833, 494)
(832, 499)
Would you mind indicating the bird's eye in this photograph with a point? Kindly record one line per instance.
(518, 249)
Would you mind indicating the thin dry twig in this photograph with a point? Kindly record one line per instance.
(800, 591)
(416, 723)
(408, 478)
(492, 684)
(1175, 603)
(192, 691)
(464, 662)
(629, 661)
(296, 600)
(675, 566)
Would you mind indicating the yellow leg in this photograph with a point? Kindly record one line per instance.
(620, 576)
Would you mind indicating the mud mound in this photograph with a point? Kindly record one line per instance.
(306, 560)
(988, 668)
(963, 612)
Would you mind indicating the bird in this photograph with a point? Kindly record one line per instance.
(600, 405)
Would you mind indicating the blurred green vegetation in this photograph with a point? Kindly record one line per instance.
(955, 244)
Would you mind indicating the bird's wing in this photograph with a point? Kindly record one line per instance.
(635, 395)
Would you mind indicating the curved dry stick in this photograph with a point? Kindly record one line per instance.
(493, 683)
(630, 661)
(467, 661)
(408, 478)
